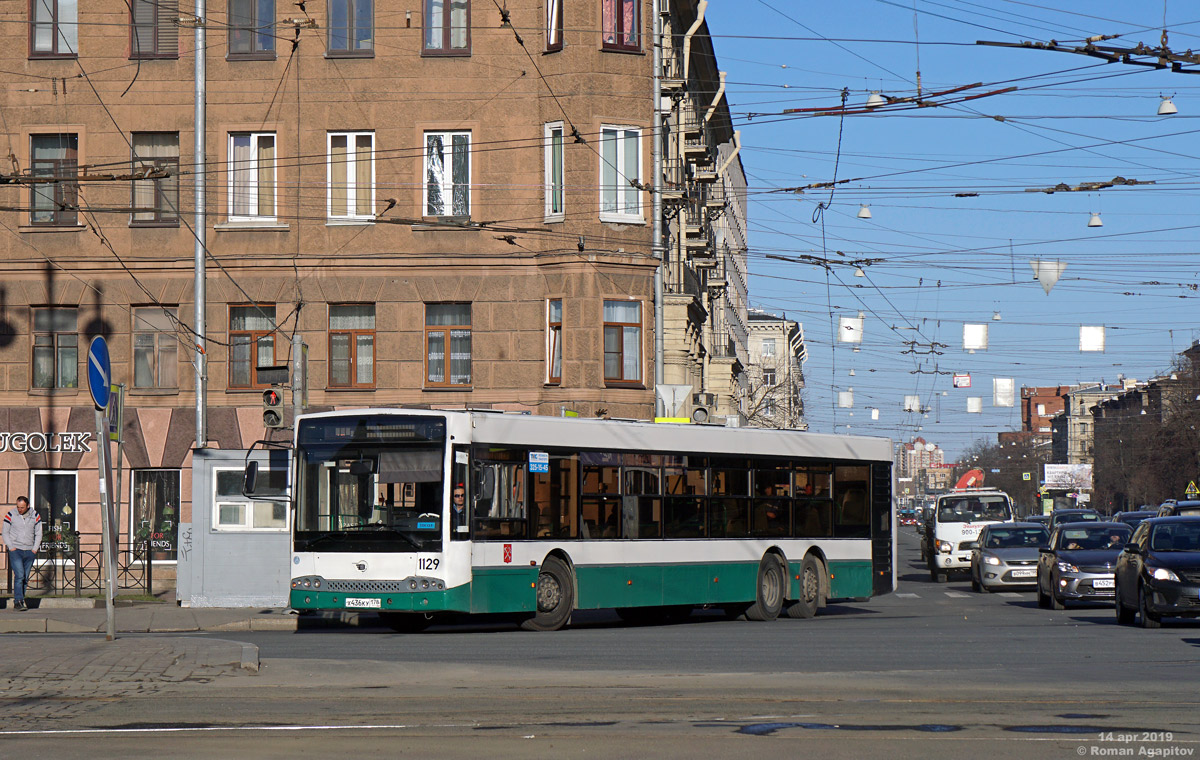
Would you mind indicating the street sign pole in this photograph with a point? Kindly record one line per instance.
(99, 384)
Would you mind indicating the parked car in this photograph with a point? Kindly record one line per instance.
(1059, 516)
(1158, 573)
(1077, 565)
(1134, 519)
(1006, 556)
(1173, 507)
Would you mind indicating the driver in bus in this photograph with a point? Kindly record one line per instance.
(458, 507)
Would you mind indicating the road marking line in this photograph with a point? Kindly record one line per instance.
(957, 594)
(194, 729)
(907, 596)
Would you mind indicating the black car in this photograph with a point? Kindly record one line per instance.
(1078, 563)
(1172, 507)
(1158, 573)
(1134, 519)
(1060, 516)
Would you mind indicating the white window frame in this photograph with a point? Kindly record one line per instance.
(247, 523)
(551, 214)
(448, 182)
(351, 177)
(253, 170)
(554, 339)
(620, 215)
(768, 347)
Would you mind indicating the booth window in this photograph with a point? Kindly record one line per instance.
(234, 512)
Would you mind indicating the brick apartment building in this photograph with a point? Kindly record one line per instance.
(449, 206)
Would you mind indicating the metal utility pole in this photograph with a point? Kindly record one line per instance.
(656, 229)
(200, 228)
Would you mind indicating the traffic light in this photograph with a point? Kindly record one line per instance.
(272, 408)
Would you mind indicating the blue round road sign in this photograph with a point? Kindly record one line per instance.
(99, 372)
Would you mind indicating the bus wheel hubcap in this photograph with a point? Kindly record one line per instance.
(548, 593)
(810, 585)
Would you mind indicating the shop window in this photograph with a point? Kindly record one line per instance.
(251, 343)
(234, 512)
(53, 495)
(154, 513)
(56, 347)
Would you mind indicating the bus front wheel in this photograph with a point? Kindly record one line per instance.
(555, 595)
(771, 586)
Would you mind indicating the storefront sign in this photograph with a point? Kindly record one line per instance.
(37, 443)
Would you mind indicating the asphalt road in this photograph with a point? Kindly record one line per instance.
(930, 671)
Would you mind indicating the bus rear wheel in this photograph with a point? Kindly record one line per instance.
(555, 594)
(768, 601)
(810, 590)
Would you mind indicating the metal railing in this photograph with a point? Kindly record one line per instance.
(74, 563)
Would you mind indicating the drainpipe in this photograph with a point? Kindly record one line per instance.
(687, 38)
(716, 98)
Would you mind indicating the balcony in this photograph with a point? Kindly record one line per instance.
(671, 80)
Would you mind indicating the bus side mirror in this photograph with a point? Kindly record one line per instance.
(250, 479)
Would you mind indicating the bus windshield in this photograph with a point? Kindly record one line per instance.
(370, 484)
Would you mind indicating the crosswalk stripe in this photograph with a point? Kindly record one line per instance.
(957, 594)
(907, 596)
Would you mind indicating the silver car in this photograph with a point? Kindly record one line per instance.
(1006, 556)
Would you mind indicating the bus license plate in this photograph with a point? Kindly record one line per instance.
(1103, 583)
(362, 603)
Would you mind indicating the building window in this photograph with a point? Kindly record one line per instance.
(351, 28)
(352, 345)
(154, 513)
(153, 28)
(620, 24)
(252, 176)
(554, 171)
(53, 29)
(56, 347)
(351, 175)
(234, 512)
(156, 201)
(53, 495)
(554, 342)
(620, 166)
(447, 27)
(452, 322)
(1041, 410)
(622, 341)
(448, 174)
(768, 376)
(251, 343)
(769, 407)
(554, 25)
(155, 348)
(768, 347)
(54, 204)
(252, 29)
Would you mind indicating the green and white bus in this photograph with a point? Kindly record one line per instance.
(563, 514)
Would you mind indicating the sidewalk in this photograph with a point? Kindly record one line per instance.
(70, 615)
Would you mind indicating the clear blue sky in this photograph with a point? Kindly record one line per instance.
(939, 261)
